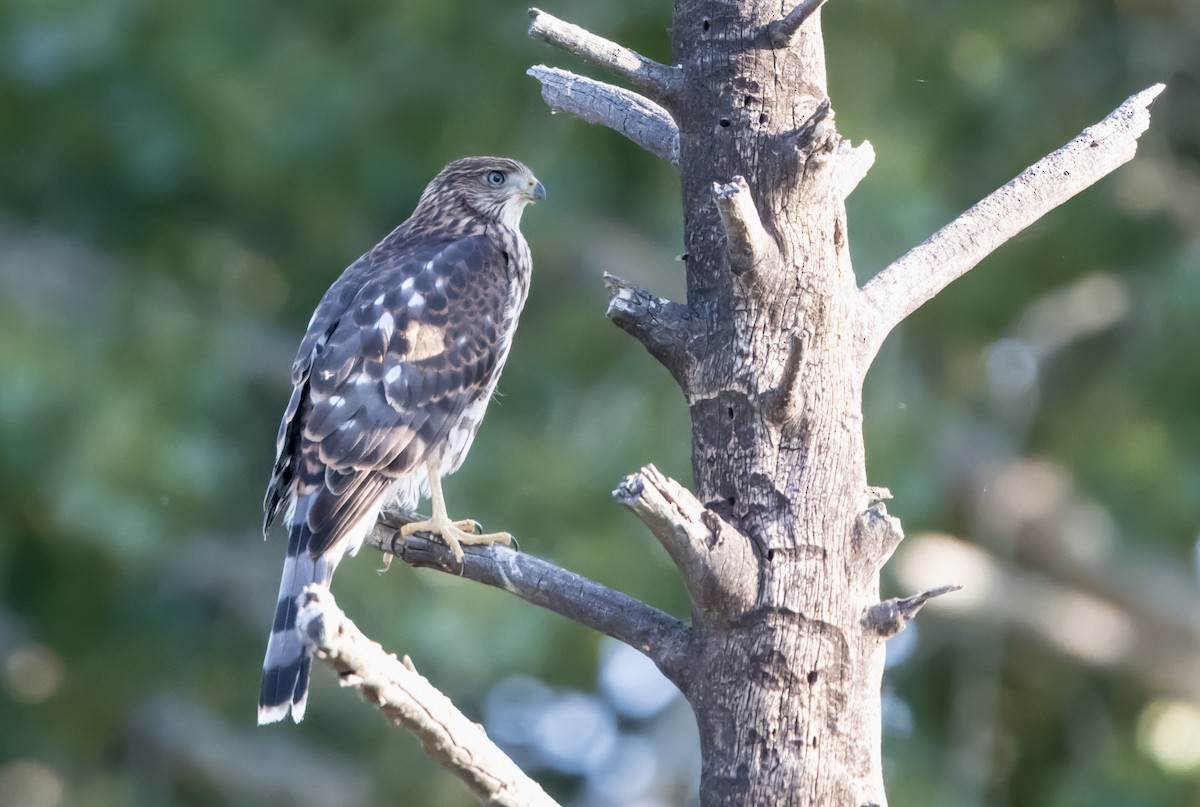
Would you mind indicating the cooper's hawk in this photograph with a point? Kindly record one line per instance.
(389, 387)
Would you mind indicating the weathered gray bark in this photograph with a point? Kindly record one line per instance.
(788, 707)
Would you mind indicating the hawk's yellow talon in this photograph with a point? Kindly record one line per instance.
(453, 533)
(469, 525)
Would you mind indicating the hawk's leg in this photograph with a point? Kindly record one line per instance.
(452, 532)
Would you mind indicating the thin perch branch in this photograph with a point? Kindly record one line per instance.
(749, 242)
(625, 112)
(717, 562)
(661, 325)
(658, 81)
(783, 32)
(407, 699)
(660, 636)
(889, 617)
(952, 251)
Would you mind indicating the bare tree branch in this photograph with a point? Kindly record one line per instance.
(407, 699)
(661, 325)
(658, 81)
(749, 242)
(783, 32)
(635, 116)
(852, 164)
(660, 636)
(717, 562)
(952, 251)
(628, 113)
(889, 617)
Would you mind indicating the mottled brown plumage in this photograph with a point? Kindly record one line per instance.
(390, 385)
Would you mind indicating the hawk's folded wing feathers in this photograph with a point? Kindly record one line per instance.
(389, 374)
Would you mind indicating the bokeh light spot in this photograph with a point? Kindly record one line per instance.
(632, 683)
(29, 783)
(1169, 732)
(33, 673)
(576, 734)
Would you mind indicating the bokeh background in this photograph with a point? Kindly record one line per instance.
(180, 181)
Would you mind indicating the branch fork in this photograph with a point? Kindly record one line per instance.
(660, 82)
(718, 563)
(749, 242)
(644, 119)
(889, 617)
(783, 32)
(661, 325)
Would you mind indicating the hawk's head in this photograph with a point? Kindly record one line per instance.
(495, 188)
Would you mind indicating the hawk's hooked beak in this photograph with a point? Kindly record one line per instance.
(538, 192)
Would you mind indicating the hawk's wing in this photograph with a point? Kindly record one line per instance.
(398, 348)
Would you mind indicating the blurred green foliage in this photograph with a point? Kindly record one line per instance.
(180, 181)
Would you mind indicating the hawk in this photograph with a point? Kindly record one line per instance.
(389, 388)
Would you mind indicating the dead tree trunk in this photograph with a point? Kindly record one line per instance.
(781, 545)
(788, 698)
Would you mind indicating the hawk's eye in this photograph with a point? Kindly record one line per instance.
(495, 178)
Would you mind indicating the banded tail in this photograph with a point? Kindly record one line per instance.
(286, 664)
